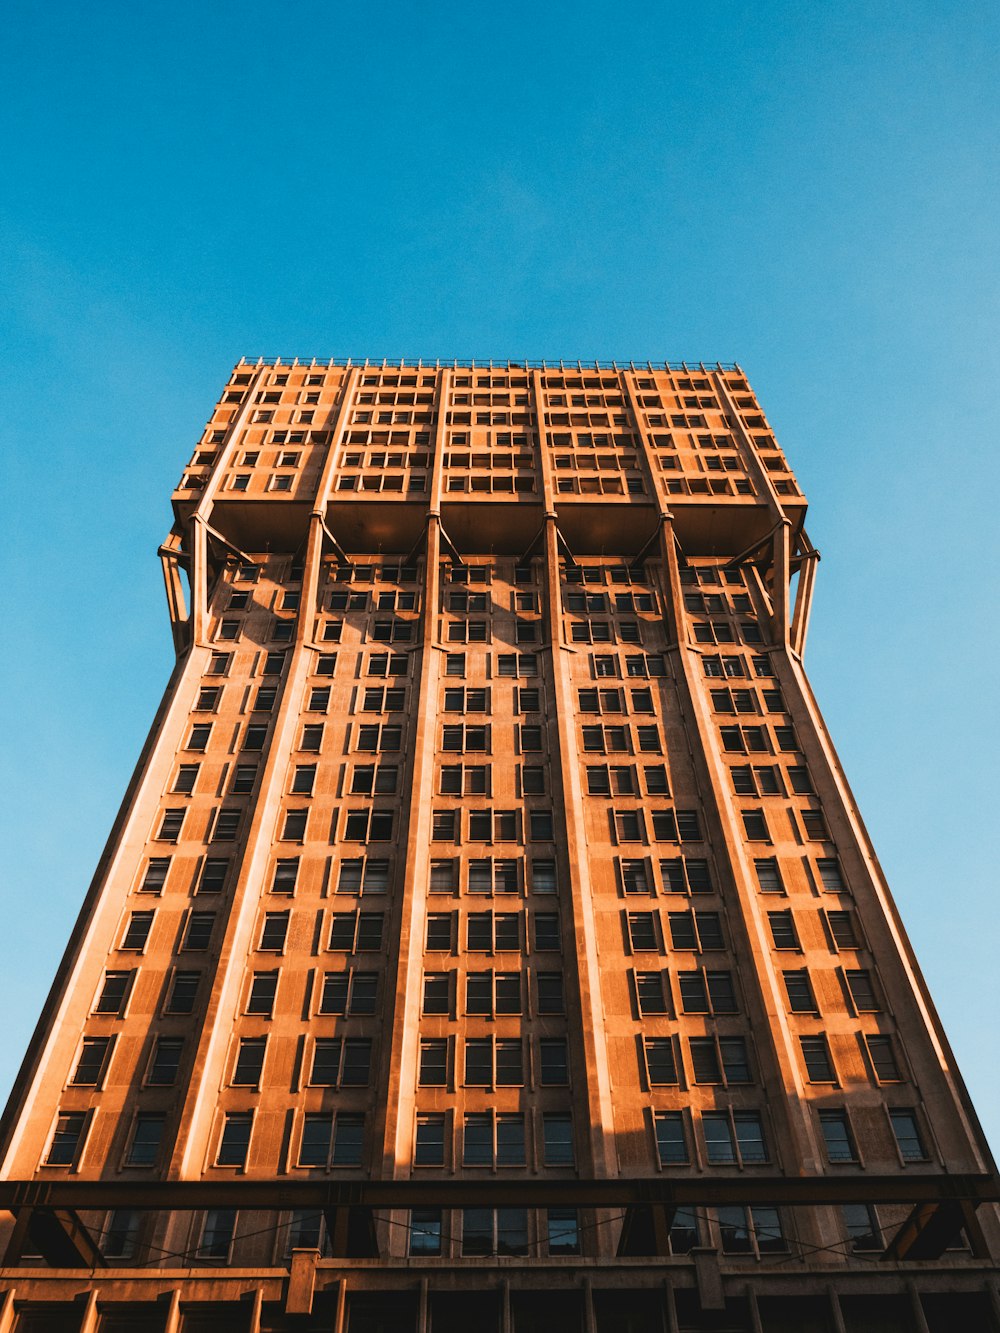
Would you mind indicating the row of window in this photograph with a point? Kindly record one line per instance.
(371, 875)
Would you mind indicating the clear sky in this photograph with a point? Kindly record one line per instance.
(808, 189)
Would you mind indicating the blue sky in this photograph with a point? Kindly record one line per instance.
(808, 189)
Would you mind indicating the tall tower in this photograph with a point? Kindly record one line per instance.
(489, 937)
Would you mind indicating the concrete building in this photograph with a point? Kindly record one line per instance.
(489, 937)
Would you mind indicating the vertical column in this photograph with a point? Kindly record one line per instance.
(197, 1112)
(400, 1062)
(781, 541)
(577, 896)
(800, 1148)
(202, 513)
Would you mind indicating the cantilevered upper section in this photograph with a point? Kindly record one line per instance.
(491, 447)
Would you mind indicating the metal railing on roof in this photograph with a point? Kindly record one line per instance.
(438, 363)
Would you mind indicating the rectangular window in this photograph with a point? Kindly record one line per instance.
(908, 1137)
(263, 988)
(182, 993)
(114, 993)
(433, 1063)
(234, 1145)
(862, 989)
(883, 1058)
(553, 1062)
(768, 875)
(799, 992)
(165, 1064)
(661, 1066)
(198, 931)
(137, 931)
(816, 1057)
(429, 1146)
(249, 1062)
(92, 1062)
(671, 1141)
(837, 1136)
(144, 1145)
(286, 873)
(557, 1140)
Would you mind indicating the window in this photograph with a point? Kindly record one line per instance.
(486, 1231)
(166, 1061)
(217, 1236)
(816, 1057)
(783, 934)
(121, 1234)
(549, 993)
(234, 1144)
(883, 1058)
(908, 1138)
(294, 828)
(425, 1231)
(182, 993)
(493, 876)
(312, 738)
(187, 776)
(862, 990)
(170, 825)
(649, 991)
(830, 876)
(768, 875)
(685, 875)
(351, 992)
(156, 875)
(273, 932)
(356, 931)
(249, 1062)
(755, 826)
(696, 930)
(254, 737)
(671, 1141)
(340, 1063)
(861, 1225)
(707, 992)
(814, 825)
(332, 1140)
(92, 1062)
(198, 931)
(114, 993)
(137, 931)
(553, 1062)
(661, 1066)
(437, 993)
(144, 1145)
(739, 1138)
(429, 1145)
(303, 779)
(369, 825)
(491, 1139)
(207, 702)
(643, 935)
(842, 929)
(837, 1136)
(799, 992)
(244, 777)
(489, 1062)
(286, 873)
(492, 992)
(263, 988)
(562, 1228)
(433, 1063)
(742, 1230)
(540, 825)
(557, 1140)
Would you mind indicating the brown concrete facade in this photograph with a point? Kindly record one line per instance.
(489, 933)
